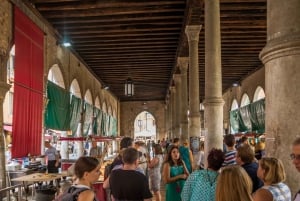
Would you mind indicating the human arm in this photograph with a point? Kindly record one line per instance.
(153, 162)
(106, 183)
(262, 195)
(167, 177)
(191, 157)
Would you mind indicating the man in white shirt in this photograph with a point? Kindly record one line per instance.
(295, 156)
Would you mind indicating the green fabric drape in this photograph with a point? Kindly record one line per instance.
(103, 124)
(88, 118)
(76, 109)
(250, 118)
(107, 125)
(114, 130)
(234, 121)
(57, 115)
(245, 117)
(257, 117)
(97, 122)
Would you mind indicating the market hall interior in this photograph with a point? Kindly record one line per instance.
(198, 68)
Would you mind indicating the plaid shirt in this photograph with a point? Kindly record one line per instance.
(280, 191)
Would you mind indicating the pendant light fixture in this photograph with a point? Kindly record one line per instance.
(129, 87)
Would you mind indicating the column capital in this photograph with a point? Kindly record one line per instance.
(172, 89)
(192, 32)
(4, 87)
(177, 78)
(183, 63)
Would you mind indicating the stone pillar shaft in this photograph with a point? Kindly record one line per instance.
(281, 57)
(213, 113)
(192, 33)
(183, 65)
(177, 79)
(5, 39)
(173, 110)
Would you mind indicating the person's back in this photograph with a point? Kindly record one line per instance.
(230, 153)
(279, 191)
(245, 158)
(186, 157)
(127, 183)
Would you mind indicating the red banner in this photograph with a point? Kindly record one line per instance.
(28, 86)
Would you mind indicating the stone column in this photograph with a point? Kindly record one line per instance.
(281, 57)
(4, 87)
(183, 65)
(192, 33)
(177, 80)
(213, 113)
(168, 117)
(5, 39)
(173, 120)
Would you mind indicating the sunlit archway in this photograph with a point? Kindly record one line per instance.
(144, 127)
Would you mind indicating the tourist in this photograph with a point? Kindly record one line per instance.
(229, 141)
(233, 184)
(127, 183)
(201, 184)
(154, 167)
(245, 158)
(295, 156)
(271, 172)
(174, 175)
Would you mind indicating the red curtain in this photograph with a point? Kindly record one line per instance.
(28, 86)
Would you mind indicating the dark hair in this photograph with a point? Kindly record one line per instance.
(157, 149)
(243, 139)
(229, 140)
(85, 164)
(130, 155)
(245, 153)
(215, 159)
(126, 142)
(175, 140)
(169, 159)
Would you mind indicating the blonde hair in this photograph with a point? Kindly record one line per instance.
(233, 179)
(274, 170)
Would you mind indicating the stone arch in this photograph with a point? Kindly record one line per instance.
(145, 126)
(55, 75)
(109, 110)
(97, 103)
(88, 97)
(234, 105)
(245, 100)
(259, 94)
(104, 107)
(114, 113)
(75, 89)
(11, 65)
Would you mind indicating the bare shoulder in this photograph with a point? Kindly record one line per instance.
(87, 195)
(262, 195)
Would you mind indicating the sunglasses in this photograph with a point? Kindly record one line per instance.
(295, 157)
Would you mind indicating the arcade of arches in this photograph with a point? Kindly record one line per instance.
(278, 81)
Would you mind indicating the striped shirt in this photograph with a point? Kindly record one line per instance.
(229, 158)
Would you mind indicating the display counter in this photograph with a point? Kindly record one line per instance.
(19, 173)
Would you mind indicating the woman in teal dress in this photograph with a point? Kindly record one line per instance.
(174, 175)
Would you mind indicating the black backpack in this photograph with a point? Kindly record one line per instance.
(71, 194)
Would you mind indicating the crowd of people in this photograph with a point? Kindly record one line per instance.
(232, 174)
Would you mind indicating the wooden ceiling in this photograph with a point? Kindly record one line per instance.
(142, 39)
